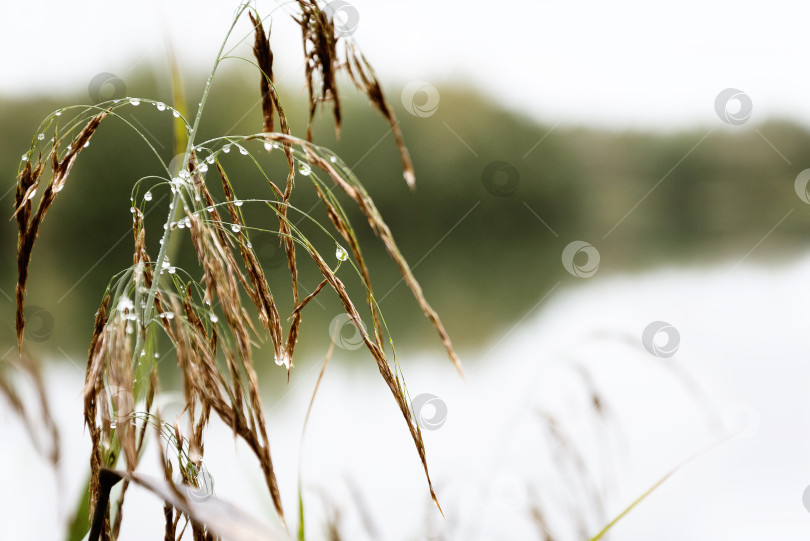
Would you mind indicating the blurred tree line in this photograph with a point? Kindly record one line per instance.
(498, 198)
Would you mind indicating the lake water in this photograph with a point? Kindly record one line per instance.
(522, 431)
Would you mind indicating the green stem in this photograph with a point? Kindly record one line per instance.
(167, 235)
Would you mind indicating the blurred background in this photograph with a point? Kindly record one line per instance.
(613, 189)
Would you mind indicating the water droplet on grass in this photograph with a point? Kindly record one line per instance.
(135, 101)
(147, 196)
(236, 228)
(160, 106)
(341, 254)
(304, 169)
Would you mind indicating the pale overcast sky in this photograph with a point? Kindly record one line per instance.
(627, 63)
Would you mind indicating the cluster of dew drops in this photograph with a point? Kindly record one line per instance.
(125, 304)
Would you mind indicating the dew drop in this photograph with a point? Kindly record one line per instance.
(87, 144)
(341, 254)
(134, 101)
(268, 147)
(214, 318)
(238, 203)
(236, 228)
(304, 169)
(59, 113)
(243, 151)
(172, 270)
(160, 106)
(210, 158)
(284, 360)
(25, 157)
(157, 355)
(226, 149)
(113, 425)
(31, 196)
(147, 196)
(41, 136)
(132, 210)
(203, 168)
(333, 159)
(176, 113)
